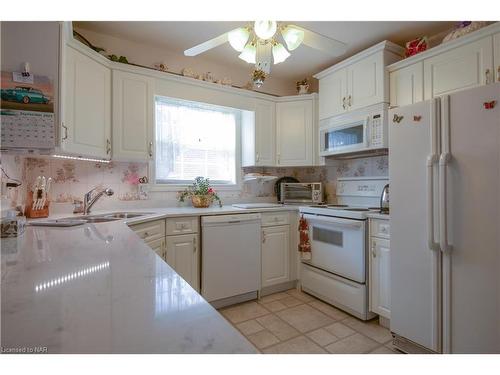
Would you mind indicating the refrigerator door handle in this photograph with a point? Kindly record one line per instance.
(443, 206)
(443, 166)
(431, 160)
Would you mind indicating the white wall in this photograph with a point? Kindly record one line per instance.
(148, 55)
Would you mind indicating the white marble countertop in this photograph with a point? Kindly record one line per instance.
(98, 288)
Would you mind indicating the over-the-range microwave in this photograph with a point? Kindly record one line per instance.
(357, 131)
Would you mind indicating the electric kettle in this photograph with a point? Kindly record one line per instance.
(384, 200)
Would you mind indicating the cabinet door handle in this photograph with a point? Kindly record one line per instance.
(350, 100)
(108, 146)
(65, 131)
(194, 244)
(343, 102)
(487, 76)
(498, 73)
(257, 156)
(374, 253)
(263, 237)
(279, 157)
(150, 149)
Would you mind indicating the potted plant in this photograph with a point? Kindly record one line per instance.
(201, 193)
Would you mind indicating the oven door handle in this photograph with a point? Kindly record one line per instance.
(334, 220)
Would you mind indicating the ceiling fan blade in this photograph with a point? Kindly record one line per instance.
(323, 43)
(205, 46)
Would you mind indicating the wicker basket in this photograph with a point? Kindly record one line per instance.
(202, 201)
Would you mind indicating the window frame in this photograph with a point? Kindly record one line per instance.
(216, 184)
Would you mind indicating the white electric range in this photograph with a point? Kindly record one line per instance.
(338, 269)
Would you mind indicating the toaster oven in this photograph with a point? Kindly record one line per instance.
(301, 192)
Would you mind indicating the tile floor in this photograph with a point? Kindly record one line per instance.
(294, 322)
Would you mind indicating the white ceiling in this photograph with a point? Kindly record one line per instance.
(178, 36)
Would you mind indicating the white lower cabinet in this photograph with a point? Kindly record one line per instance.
(380, 272)
(180, 251)
(275, 255)
(183, 255)
(275, 250)
(158, 247)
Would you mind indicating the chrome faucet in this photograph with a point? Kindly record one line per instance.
(90, 198)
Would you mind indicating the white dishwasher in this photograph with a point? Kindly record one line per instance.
(230, 271)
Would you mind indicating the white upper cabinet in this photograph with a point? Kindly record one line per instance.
(365, 82)
(496, 59)
(265, 133)
(407, 85)
(466, 62)
(333, 94)
(358, 81)
(461, 68)
(259, 135)
(86, 125)
(294, 133)
(133, 100)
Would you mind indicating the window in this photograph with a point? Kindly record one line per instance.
(196, 139)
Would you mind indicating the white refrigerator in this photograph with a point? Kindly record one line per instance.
(444, 170)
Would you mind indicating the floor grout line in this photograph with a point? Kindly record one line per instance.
(301, 334)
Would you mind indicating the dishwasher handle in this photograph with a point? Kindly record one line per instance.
(230, 219)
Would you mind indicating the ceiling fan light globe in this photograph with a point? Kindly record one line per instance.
(293, 37)
(249, 53)
(280, 53)
(238, 38)
(265, 29)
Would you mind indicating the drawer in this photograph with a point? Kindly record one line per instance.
(150, 231)
(275, 218)
(380, 228)
(182, 225)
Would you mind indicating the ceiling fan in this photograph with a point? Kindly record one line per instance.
(260, 44)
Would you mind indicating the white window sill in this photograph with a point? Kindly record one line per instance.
(179, 187)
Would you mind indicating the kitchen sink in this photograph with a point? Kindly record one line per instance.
(104, 218)
(126, 215)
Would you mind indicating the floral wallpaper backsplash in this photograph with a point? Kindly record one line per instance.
(328, 174)
(73, 178)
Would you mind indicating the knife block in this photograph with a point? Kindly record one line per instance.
(31, 213)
